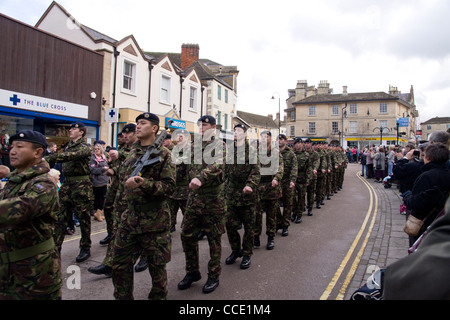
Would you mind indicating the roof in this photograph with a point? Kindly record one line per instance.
(256, 120)
(437, 120)
(351, 97)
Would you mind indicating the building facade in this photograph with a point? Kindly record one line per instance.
(256, 124)
(434, 124)
(42, 90)
(351, 119)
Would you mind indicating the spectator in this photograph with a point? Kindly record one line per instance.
(408, 148)
(369, 162)
(391, 159)
(354, 154)
(98, 167)
(363, 163)
(430, 189)
(380, 164)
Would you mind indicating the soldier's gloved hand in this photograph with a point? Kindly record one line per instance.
(274, 183)
(134, 182)
(291, 185)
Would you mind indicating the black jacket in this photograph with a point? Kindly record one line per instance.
(406, 172)
(429, 192)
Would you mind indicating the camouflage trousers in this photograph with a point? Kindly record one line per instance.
(310, 192)
(320, 186)
(128, 245)
(288, 196)
(299, 199)
(213, 225)
(271, 207)
(237, 215)
(75, 198)
(174, 206)
(108, 209)
(35, 278)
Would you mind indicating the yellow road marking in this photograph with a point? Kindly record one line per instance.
(79, 237)
(344, 262)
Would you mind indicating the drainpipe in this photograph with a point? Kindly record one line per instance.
(116, 54)
(150, 68)
(181, 91)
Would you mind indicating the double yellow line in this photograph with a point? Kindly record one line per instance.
(372, 211)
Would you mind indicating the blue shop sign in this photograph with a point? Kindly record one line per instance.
(176, 124)
(403, 122)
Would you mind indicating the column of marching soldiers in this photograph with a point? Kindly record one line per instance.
(215, 197)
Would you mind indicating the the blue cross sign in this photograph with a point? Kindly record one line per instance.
(14, 99)
(112, 113)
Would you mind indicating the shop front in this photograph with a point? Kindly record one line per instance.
(19, 111)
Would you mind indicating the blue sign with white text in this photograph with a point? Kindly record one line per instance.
(403, 122)
(177, 124)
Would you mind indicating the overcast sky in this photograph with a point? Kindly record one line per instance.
(366, 45)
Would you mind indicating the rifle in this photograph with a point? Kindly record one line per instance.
(146, 159)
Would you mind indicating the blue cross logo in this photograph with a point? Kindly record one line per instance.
(14, 99)
(112, 113)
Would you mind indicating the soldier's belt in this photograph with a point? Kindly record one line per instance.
(25, 253)
(76, 178)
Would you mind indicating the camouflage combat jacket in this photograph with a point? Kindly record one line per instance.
(209, 167)
(147, 209)
(28, 206)
(75, 159)
(242, 172)
(265, 189)
(290, 171)
(305, 169)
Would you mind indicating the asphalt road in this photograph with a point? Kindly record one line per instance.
(299, 268)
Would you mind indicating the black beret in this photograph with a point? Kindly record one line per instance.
(148, 116)
(131, 127)
(307, 140)
(168, 136)
(266, 132)
(29, 136)
(182, 131)
(241, 126)
(298, 140)
(99, 142)
(282, 136)
(78, 125)
(207, 119)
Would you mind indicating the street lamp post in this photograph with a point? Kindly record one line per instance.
(343, 113)
(381, 133)
(279, 110)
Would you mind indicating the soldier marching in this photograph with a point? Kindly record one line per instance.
(217, 187)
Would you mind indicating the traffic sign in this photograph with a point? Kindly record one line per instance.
(112, 115)
(403, 122)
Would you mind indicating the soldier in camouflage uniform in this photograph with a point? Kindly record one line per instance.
(303, 179)
(321, 175)
(117, 202)
(206, 206)
(242, 179)
(269, 189)
(178, 199)
(288, 184)
(314, 163)
(29, 260)
(144, 228)
(76, 193)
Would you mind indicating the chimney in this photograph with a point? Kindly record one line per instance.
(189, 54)
(300, 90)
(393, 91)
(344, 90)
(324, 87)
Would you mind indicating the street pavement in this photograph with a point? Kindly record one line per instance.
(359, 230)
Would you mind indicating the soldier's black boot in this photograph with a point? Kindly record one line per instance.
(141, 266)
(101, 269)
(270, 243)
(285, 232)
(188, 279)
(322, 202)
(318, 205)
(245, 263)
(233, 256)
(106, 240)
(84, 255)
(210, 285)
(299, 220)
(309, 211)
(201, 235)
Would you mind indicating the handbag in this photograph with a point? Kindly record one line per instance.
(418, 241)
(413, 225)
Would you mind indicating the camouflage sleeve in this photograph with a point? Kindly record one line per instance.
(214, 172)
(294, 170)
(254, 177)
(279, 175)
(166, 184)
(15, 210)
(82, 152)
(309, 170)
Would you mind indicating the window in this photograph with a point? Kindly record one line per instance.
(129, 76)
(335, 110)
(384, 125)
(219, 92)
(165, 89)
(292, 115)
(353, 109)
(334, 127)
(312, 128)
(383, 108)
(193, 99)
(219, 117)
(292, 131)
(353, 128)
(225, 118)
(226, 96)
(312, 110)
(428, 127)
